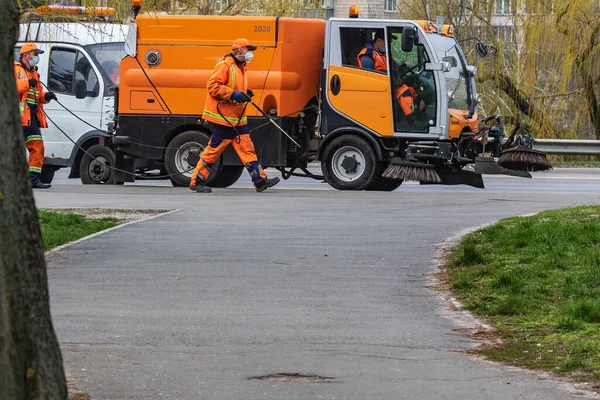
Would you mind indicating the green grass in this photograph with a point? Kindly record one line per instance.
(59, 228)
(537, 279)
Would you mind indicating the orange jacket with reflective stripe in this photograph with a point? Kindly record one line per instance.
(407, 95)
(227, 77)
(379, 59)
(29, 95)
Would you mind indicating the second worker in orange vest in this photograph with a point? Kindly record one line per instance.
(372, 55)
(226, 103)
(411, 104)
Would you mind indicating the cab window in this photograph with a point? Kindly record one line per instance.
(413, 88)
(360, 41)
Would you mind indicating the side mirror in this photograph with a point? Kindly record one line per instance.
(441, 66)
(481, 49)
(451, 60)
(408, 39)
(80, 89)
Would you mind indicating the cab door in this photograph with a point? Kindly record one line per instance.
(417, 81)
(356, 96)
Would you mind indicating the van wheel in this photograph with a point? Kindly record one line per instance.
(182, 155)
(47, 174)
(228, 176)
(95, 170)
(349, 163)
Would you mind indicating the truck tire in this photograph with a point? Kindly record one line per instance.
(228, 176)
(94, 170)
(47, 174)
(183, 154)
(349, 163)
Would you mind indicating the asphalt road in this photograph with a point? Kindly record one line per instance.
(299, 279)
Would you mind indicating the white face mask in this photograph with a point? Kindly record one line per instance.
(34, 60)
(248, 56)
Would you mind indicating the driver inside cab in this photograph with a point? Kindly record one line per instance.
(372, 55)
(413, 95)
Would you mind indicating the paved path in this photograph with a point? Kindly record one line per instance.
(237, 285)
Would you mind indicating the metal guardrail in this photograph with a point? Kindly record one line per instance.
(568, 147)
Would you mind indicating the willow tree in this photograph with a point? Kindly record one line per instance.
(544, 65)
(30, 360)
(277, 8)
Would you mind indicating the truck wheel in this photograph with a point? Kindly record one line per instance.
(349, 163)
(95, 170)
(228, 176)
(183, 154)
(47, 174)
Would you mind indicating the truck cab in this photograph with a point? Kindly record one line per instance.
(80, 65)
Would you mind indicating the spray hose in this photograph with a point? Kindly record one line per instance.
(135, 143)
(109, 166)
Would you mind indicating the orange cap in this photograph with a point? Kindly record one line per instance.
(27, 47)
(241, 42)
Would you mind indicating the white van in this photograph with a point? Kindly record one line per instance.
(81, 65)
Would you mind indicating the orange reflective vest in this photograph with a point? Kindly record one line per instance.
(406, 96)
(29, 95)
(379, 59)
(227, 77)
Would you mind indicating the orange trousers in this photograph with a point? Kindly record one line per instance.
(35, 146)
(244, 148)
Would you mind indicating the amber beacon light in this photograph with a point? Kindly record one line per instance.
(136, 6)
(353, 11)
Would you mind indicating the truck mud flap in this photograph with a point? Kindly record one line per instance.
(458, 178)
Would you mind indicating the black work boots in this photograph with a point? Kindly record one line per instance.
(200, 188)
(37, 184)
(266, 183)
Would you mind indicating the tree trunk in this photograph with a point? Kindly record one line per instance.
(30, 359)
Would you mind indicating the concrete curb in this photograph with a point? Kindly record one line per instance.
(93, 235)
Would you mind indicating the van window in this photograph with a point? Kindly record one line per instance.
(84, 70)
(67, 66)
(62, 71)
(17, 54)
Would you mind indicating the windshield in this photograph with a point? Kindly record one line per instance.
(108, 56)
(447, 49)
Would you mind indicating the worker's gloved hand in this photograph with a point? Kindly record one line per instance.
(250, 93)
(33, 82)
(50, 96)
(240, 97)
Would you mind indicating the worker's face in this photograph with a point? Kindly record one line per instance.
(380, 45)
(31, 59)
(114, 75)
(244, 55)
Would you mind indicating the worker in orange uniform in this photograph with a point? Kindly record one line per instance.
(31, 99)
(226, 103)
(372, 55)
(411, 104)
